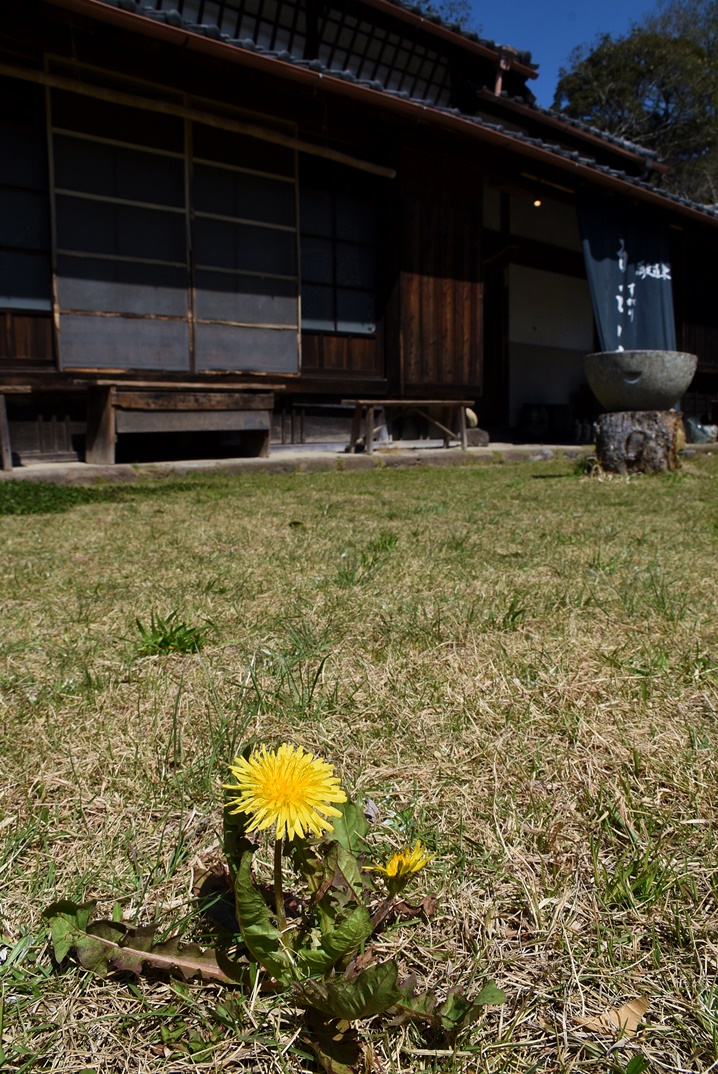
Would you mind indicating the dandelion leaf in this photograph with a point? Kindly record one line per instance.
(102, 946)
(263, 939)
(454, 1014)
(373, 991)
(333, 877)
(67, 921)
(349, 934)
(335, 1045)
(235, 840)
(351, 828)
(343, 940)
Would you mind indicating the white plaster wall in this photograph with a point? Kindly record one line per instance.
(555, 222)
(550, 330)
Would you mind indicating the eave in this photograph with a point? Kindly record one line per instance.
(410, 110)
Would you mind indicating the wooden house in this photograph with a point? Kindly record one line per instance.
(212, 210)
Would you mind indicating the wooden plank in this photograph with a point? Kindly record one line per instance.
(26, 335)
(5, 451)
(408, 402)
(181, 421)
(182, 385)
(196, 400)
(101, 433)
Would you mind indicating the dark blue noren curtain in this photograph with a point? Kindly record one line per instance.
(629, 276)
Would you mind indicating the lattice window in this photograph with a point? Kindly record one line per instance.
(25, 272)
(338, 251)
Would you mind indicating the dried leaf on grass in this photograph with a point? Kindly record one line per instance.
(426, 908)
(625, 1019)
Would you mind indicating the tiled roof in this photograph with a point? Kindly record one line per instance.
(471, 35)
(560, 153)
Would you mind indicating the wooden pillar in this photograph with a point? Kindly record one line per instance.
(5, 452)
(100, 442)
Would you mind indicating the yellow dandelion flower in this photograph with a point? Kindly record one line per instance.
(401, 866)
(287, 788)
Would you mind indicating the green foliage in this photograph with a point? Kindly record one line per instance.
(455, 1014)
(102, 946)
(452, 11)
(658, 87)
(46, 498)
(318, 959)
(170, 635)
(361, 565)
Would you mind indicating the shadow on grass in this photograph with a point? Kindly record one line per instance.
(44, 498)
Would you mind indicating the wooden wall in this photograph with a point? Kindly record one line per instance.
(26, 339)
(441, 286)
(338, 355)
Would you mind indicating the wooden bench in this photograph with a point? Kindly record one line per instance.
(114, 408)
(366, 408)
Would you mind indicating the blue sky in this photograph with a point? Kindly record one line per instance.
(552, 28)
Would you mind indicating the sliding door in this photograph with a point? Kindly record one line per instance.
(175, 239)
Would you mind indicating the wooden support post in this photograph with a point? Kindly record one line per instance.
(100, 442)
(639, 441)
(356, 429)
(5, 452)
(462, 428)
(369, 427)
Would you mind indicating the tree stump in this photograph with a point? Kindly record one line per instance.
(639, 441)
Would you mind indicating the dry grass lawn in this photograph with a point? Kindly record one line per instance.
(517, 665)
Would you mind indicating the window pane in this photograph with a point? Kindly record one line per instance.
(252, 197)
(225, 296)
(97, 168)
(355, 266)
(355, 312)
(211, 143)
(107, 228)
(356, 220)
(121, 287)
(244, 247)
(315, 212)
(23, 161)
(318, 308)
(24, 219)
(25, 280)
(317, 261)
(134, 125)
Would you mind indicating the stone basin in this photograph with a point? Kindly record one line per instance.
(639, 380)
